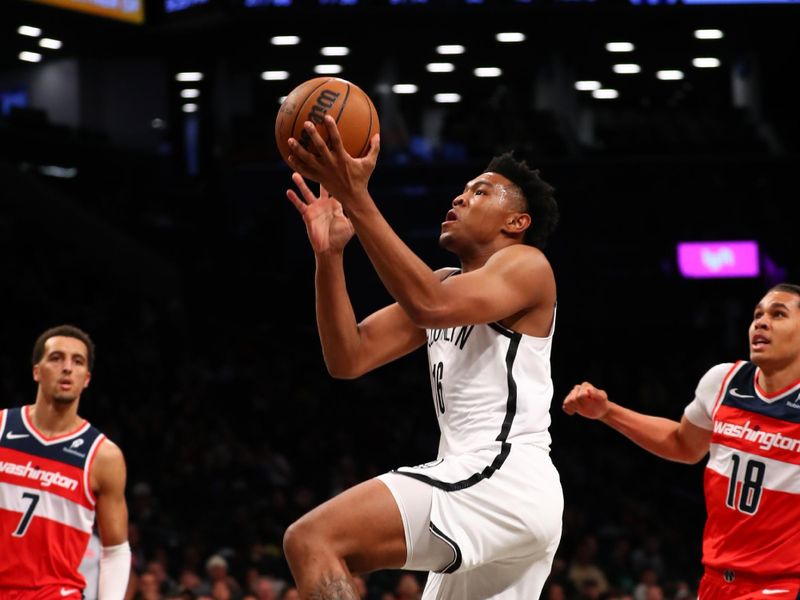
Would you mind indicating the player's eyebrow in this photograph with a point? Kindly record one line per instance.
(772, 305)
(477, 183)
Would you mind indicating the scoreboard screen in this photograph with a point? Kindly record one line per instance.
(123, 10)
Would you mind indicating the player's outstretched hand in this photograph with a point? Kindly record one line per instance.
(587, 401)
(327, 226)
(330, 164)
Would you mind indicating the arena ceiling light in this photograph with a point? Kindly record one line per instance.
(327, 69)
(669, 75)
(405, 88)
(510, 37)
(440, 67)
(450, 49)
(50, 43)
(706, 62)
(285, 40)
(58, 172)
(189, 108)
(605, 94)
(587, 85)
(189, 76)
(488, 72)
(708, 34)
(334, 51)
(33, 57)
(29, 31)
(275, 75)
(447, 98)
(619, 47)
(190, 93)
(627, 68)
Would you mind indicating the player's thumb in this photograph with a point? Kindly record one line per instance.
(374, 147)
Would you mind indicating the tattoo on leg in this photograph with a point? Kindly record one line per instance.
(333, 587)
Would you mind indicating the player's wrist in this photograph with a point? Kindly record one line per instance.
(607, 415)
(329, 256)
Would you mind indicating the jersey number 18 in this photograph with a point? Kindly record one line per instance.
(751, 485)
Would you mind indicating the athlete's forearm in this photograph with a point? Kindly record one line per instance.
(336, 320)
(115, 568)
(657, 435)
(406, 277)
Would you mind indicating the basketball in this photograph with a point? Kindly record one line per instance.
(347, 103)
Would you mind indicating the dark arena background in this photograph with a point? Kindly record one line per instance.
(143, 199)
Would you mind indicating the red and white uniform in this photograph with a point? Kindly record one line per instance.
(47, 508)
(752, 479)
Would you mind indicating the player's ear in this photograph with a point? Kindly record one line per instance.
(517, 223)
(36, 373)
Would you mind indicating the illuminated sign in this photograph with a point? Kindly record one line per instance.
(673, 2)
(123, 10)
(12, 98)
(700, 260)
(177, 5)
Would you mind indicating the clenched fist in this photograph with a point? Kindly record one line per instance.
(586, 400)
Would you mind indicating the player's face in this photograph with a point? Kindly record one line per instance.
(479, 213)
(63, 372)
(775, 331)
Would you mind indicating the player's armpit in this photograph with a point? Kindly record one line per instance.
(694, 441)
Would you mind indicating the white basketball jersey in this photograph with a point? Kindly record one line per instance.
(490, 386)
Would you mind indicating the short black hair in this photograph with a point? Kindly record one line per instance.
(537, 193)
(65, 331)
(790, 288)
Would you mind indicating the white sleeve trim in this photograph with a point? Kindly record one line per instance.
(699, 411)
(115, 569)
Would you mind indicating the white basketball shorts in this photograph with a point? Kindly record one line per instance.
(487, 524)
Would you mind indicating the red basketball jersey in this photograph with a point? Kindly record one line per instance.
(47, 508)
(752, 479)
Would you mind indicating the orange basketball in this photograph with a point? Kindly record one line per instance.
(347, 103)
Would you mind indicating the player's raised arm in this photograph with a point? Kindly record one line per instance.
(350, 349)
(512, 280)
(680, 442)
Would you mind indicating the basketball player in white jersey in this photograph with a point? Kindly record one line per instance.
(484, 518)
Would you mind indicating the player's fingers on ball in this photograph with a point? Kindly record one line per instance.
(374, 147)
(298, 152)
(334, 137)
(316, 138)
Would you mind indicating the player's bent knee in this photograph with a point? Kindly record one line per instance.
(304, 537)
(297, 541)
